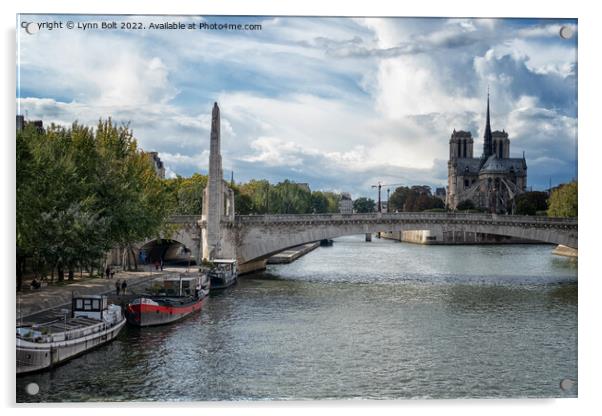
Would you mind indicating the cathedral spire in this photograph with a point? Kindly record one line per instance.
(488, 143)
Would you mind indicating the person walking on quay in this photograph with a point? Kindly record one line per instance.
(117, 287)
(108, 272)
(124, 287)
(112, 274)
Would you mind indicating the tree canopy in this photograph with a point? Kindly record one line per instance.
(564, 200)
(530, 203)
(185, 195)
(81, 192)
(465, 205)
(286, 197)
(364, 205)
(414, 199)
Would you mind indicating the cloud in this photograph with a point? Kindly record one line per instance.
(511, 78)
(546, 30)
(337, 102)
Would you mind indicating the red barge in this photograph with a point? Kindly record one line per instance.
(177, 298)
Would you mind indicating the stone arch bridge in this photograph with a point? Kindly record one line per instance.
(249, 238)
(220, 234)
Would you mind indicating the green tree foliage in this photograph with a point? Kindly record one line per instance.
(363, 205)
(319, 202)
(81, 192)
(333, 200)
(467, 204)
(563, 201)
(261, 197)
(186, 194)
(414, 199)
(530, 203)
(289, 198)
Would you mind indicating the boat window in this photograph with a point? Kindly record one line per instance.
(95, 304)
(79, 304)
(87, 304)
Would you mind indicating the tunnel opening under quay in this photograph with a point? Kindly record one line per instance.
(168, 252)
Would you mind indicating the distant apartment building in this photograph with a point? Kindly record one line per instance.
(22, 123)
(346, 204)
(158, 164)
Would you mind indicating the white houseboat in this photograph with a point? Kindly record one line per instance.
(93, 322)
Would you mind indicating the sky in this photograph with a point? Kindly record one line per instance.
(338, 103)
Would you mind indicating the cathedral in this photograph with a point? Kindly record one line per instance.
(490, 182)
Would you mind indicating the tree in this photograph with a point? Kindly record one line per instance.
(82, 192)
(397, 200)
(333, 200)
(289, 198)
(319, 202)
(243, 204)
(363, 205)
(529, 203)
(465, 205)
(563, 201)
(258, 191)
(186, 194)
(414, 199)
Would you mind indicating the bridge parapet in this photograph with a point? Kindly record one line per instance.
(254, 237)
(533, 221)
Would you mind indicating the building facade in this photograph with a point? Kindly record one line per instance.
(157, 164)
(490, 182)
(22, 123)
(345, 204)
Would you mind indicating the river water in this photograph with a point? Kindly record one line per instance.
(379, 320)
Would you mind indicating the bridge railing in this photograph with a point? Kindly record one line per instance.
(401, 216)
(409, 216)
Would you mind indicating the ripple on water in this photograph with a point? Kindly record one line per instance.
(377, 320)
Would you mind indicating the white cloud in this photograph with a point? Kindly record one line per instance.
(197, 162)
(545, 30)
(338, 101)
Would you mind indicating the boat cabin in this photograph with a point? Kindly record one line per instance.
(226, 266)
(181, 286)
(92, 306)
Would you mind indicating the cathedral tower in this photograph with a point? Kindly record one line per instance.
(490, 182)
(488, 142)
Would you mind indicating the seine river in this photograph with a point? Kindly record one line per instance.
(379, 320)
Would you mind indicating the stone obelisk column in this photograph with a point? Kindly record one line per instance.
(213, 204)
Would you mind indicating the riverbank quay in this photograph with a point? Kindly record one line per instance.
(31, 302)
(292, 254)
(565, 251)
(449, 238)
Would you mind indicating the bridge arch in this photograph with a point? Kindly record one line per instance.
(180, 244)
(167, 251)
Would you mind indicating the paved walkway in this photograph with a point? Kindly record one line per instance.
(34, 301)
(292, 254)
